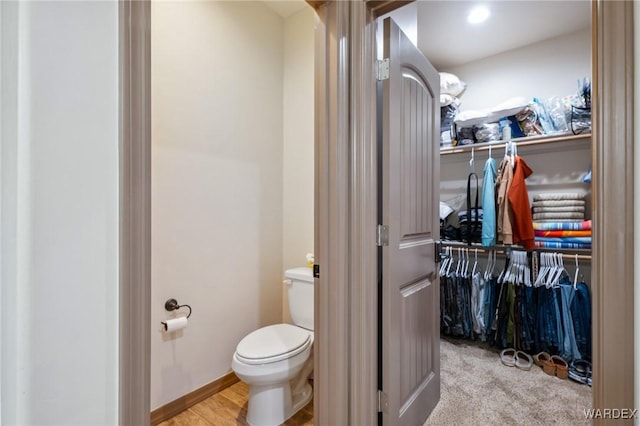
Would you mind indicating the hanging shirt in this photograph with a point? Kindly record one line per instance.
(489, 204)
(503, 182)
(519, 201)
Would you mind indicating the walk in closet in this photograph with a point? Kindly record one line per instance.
(549, 60)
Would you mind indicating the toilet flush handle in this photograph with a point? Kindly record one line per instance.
(287, 282)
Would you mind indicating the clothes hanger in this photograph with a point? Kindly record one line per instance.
(575, 277)
(559, 270)
(465, 263)
(472, 160)
(523, 260)
(450, 261)
(443, 265)
(542, 272)
(489, 270)
(514, 153)
(551, 272)
(475, 263)
(523, 268)
(494, 262)
(503, 272)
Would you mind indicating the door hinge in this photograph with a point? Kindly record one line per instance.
(316, 270)
(382, 235)
(383, 402)
(382, 72)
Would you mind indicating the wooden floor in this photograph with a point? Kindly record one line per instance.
(229, 407)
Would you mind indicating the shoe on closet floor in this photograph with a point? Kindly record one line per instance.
(523, 361)
(561, 367)
(539, 358)
(509, 357)
(580, 371)
(543, 359)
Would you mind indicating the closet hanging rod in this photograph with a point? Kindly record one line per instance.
(583, 254)
(526, 141)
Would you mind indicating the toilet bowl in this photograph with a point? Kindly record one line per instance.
(276, 361)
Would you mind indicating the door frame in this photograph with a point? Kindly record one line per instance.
(346, 200)
(134, 400)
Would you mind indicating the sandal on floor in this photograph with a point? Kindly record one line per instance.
(545, 362)
(561, 366)
(509, 357)
(523, 360)
(540, 357)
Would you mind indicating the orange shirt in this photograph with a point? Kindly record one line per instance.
(518, 196)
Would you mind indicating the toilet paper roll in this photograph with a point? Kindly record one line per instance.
(175, 324)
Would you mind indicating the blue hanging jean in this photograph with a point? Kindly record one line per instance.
(581, 315)
(527, 313)
(549, 321)
(569, 348)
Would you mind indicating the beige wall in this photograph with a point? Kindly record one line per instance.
(548, 68)
(217, 119)
(298, 165)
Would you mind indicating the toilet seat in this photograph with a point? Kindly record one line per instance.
(272, 344)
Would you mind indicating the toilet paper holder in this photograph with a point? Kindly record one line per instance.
(172, 305)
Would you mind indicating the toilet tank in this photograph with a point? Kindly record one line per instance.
(299, 283)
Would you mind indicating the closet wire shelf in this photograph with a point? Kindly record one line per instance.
(526, 141)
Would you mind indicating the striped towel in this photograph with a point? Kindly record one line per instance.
(560, 233)
(544, 244)
(579, 240)
(558, 216)
(563, 225)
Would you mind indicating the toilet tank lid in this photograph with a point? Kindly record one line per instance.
(302, 274)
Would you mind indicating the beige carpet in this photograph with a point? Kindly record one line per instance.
(476, 388)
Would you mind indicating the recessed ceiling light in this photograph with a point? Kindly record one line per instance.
(478, 14)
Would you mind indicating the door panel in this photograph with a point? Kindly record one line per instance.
(410, 196)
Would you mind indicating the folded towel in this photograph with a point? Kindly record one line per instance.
(559, 196)
(563, 225)
(544, 244)
(565, 209)
(558, 203)
(558, 216)
(581, 240)
(560, 233)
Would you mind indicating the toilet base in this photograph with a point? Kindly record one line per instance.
(273, 405)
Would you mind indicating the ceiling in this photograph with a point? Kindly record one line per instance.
(441, 31)
(447, 40)
(286, 8)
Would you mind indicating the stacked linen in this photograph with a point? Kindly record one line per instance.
(559, 221)
(563, 234)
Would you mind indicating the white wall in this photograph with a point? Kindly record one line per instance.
(298, 163)
(59, 213)
(548, 68)
(217, 200)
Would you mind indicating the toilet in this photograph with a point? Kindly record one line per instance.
(276, 361)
